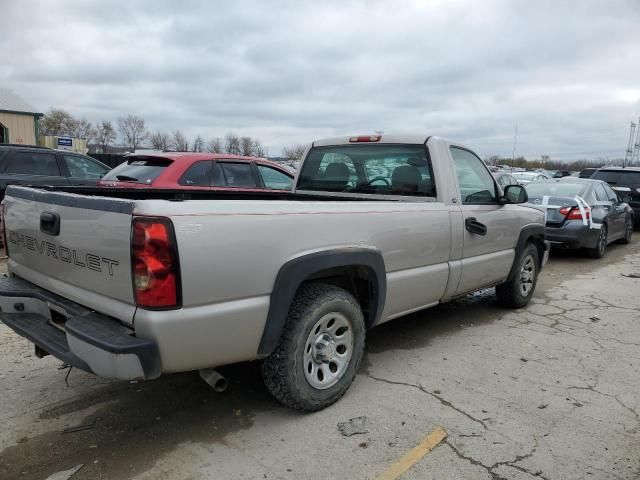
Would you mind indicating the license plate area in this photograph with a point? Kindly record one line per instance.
(58, 317)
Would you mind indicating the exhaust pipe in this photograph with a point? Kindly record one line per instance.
(214, 379)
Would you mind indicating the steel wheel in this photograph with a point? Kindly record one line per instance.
(527, 275)
(328, 350)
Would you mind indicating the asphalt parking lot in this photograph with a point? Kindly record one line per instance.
(550, 391)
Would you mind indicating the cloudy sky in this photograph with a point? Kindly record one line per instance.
(286, 72)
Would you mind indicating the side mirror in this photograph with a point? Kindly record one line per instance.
(514, 194)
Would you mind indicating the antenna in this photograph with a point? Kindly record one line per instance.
(513, 155)
(628, 156)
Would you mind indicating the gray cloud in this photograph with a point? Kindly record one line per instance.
(287, 72)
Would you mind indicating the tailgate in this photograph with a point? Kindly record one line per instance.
(86, 258)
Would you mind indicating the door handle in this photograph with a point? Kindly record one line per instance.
(474, 226)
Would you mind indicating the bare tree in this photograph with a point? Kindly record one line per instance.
(214, 145)
(180, 143)
(258, 149)
(82, 129)
(105, 135)
(492, 160)
(198, 143)
(246, 146)
(294, 152)
(132, 130)
(160, 141)
(545, 160)
(57, 121)
(232, 144)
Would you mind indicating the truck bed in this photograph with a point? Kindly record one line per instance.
(204, 194)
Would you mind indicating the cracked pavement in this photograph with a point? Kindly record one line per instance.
(547, 392)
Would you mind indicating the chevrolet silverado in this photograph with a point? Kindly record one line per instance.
(133, 283)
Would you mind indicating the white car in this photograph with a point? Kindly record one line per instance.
(525, 178)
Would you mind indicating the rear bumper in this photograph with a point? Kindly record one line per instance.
(572, 235)
(86, 340)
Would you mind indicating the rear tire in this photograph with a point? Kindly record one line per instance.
(601, 244)
(628, 230)
(320, 349)
(517, 292)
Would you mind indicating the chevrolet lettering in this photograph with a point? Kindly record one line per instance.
(62, 253)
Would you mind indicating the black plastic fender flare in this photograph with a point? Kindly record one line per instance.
(535, 232)
(296, 271)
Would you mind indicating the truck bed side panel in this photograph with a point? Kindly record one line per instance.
(232, 252)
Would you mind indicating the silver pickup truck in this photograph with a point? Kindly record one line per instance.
(133, 283)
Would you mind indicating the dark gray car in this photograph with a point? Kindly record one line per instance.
(582, 213)
(28, 165)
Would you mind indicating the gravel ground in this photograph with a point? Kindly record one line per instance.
(550, 391)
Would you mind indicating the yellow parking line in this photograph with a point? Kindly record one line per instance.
(414, 455)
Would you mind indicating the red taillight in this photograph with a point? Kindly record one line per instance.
(366, 138)
(154, 259)
(573, 213)
(4, 232)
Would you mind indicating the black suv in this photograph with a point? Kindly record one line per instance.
(626, 183)
(27, 165)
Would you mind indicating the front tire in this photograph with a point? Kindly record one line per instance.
(517, 292)
(320, 349)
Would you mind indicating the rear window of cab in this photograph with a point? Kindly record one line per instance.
(383, 169)
(138, 170)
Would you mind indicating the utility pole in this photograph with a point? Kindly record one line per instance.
(628, 156)
(636, 146)
(513, 155)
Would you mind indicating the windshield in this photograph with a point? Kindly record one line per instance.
(618, 177)
(138, 170)
(377, 169)
(556, 189)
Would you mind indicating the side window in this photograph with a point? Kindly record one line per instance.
(83, 167)
(513, 181)
(274, 179)
(197, 175)
(601, 194)
(612, 196)
(238, 174)
(33, 163)
(217, 178)
(476, 183)
(503, 180)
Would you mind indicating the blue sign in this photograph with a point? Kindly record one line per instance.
(65, 142)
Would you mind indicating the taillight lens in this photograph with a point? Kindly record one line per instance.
(154, 259)
(573, 213)
(4, 232)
